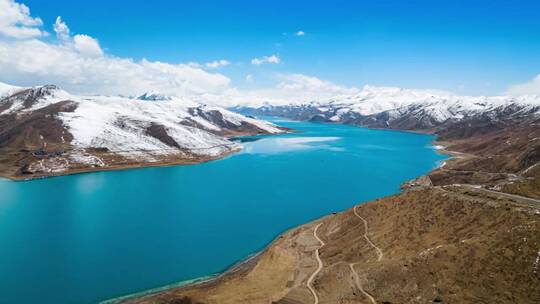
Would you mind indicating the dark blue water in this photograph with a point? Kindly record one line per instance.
(89, 237)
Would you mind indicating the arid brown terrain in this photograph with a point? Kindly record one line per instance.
(446, 244)
(468, 232)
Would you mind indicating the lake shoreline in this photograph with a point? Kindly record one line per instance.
(238, 268)
(16, 176)
(247, 264)
(121, 167)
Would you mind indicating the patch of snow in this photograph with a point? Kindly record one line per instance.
(80, 157)
(335, 118)
(50, 165)
(238, 119)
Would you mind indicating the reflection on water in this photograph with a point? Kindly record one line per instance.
(243, 139)
(89, 183)
(287, 144)
(375, 147)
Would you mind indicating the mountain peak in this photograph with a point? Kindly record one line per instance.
(154, 96)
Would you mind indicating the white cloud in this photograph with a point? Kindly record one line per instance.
(309, 84)
(290, 88)
(34, 62)
(78, 64)
(300, 33)
(249, 78)
(530, 87)
(84, 44)
(194, 64)
(16, 22)
(87, 46)
(216, 64)
(209, 65)
(61, 29)
(266, 59)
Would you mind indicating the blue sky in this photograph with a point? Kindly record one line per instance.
(467, 47)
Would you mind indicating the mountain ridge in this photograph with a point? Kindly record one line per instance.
(48, 131)
(402, 109)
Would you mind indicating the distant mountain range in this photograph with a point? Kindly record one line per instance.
(45, 131)
(502, 132)
(48, 131)
(403, 109)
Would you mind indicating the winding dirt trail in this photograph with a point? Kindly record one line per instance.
(380, 254)
(312, 277)
(359, 286)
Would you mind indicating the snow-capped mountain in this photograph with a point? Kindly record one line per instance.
(57, 131)
(396, 108)
(154, 96)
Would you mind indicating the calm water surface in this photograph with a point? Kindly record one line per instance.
(89, 237)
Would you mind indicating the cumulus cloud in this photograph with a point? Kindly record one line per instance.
(16, 22)
(310, 84)
(79, 64)
(300, 33)
(36, 62)
(87, 46)
(209, 65)
(84, 44)
(61, 29)
(290, 88)
(217, 64)
(266, 59)
(530, 87)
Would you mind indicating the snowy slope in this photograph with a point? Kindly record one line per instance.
(402, 108)
(372, 100)
(152, 127)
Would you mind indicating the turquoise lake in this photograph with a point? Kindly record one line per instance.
(90, 237)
